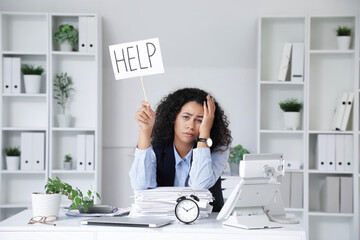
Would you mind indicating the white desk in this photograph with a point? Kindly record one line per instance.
(69, 228)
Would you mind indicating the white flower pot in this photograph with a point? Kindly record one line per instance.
(67, 165)
(45, 204)
(292, 120)
(12, 162)
(32, 83)
(65, 46)
(64, 120)
(343, 42)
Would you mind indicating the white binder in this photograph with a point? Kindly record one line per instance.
(297, 62)
(285, 189)
(7, 75)
(348, 107)
(16, 75)
(296, 198)
(83, 34)
(80, 152)
(340, 152)
(38, 151)
(91, 34)
(321, 159)
(330, 152)
(26, 151)
(330, 195)
(349, 148)
(339, 111)
(90, 153)
(285, 62)
(346, 194)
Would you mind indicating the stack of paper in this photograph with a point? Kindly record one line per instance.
(161, 201)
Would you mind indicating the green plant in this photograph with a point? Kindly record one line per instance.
(12, 152)
(28, 69)
(68, 158)
(343, 31)
(237, 154)
(291, 105)
(67, 32)
(62, 89)
(77, 198)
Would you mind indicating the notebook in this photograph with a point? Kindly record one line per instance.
(127, 221)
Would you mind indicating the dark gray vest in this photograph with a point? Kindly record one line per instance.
(165, 173)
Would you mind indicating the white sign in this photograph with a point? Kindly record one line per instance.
(136, 58)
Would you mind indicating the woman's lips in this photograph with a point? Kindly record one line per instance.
(188, 134)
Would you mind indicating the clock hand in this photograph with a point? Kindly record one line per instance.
(185, 209)
(190, 208)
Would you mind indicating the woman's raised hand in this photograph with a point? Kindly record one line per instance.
(145, 117)
(209, 116)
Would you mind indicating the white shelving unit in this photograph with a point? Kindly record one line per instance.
(30, 37)
(328, 72)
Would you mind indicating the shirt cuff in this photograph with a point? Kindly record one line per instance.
(139, 152)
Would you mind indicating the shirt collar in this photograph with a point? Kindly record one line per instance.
(178, 159)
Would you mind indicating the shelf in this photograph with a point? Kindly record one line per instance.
(283, 131)
(23, 129)
(294, 170)
(23, 53)
(72, 172)
(280, 82)
(313, 171)
(294, 209)
(75, 53)
(323, 214)
(21, 172)
(56, 129)
(25, 95)
(331, 132)
(332, 51)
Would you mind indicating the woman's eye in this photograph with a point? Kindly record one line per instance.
(186, 117)
(199, 120)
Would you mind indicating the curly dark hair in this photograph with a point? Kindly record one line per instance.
(170, 106)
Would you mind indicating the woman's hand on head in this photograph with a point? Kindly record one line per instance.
(209, 116)
(145, 117)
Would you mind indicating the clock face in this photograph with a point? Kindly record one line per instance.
(187, 211)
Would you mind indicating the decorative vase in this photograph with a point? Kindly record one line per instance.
(343, 42)
(32, 83)
(234, 169)
(12, 163)
(291, 120)
(45, 204)
(64, 120)
(65, 46)
(67, 165)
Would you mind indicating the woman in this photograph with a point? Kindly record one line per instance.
(176, 150)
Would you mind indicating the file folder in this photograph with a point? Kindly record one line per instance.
(83, 34)
(330, 152)
(340, 152)
(346, 194)
(285, 189)
(90, 153)
(91, 34)
(296, 198)
(339, 111)
(80, 147)
(38, 151)
(321, 158)
(348, 107)
(349, 156)
(16, 75)
(329, 195)
(297, 62)
(7, 75)
(285, 62)
(26, 151)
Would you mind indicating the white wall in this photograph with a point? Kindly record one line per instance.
(205, 43)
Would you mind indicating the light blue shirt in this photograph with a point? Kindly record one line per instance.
(203, 173)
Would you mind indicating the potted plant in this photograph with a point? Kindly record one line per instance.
(32, 78)
(68, 162)
(291, 108)
(236, 155)
(343, 37)
(48, 203)
(12, 158)
(67, 37)
(62, 89)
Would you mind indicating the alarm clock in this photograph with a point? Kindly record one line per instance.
(186, 209)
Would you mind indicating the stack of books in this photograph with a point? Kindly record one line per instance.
(161, 201)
